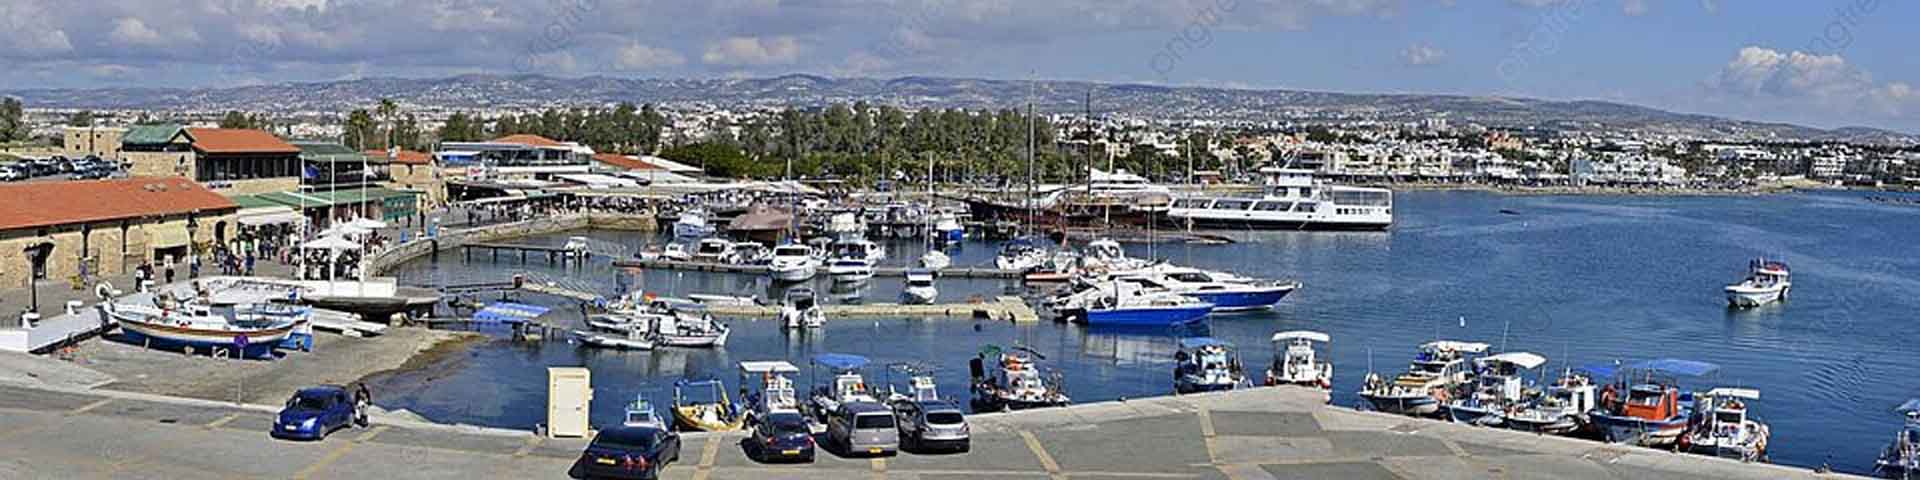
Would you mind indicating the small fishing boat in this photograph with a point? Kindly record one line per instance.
(682, 324)
(1014, 381)
(639, 413)
(1105, 256)
(714, 250)
(614, 322)
(921, 386)
(1206, 364)
(947, 229)
(848, 386)
(919, 288)
(1146, 309)
(802, 310)
(849, 270)
(1767, 282)
(1297, 363)
(1724, 428)
(633, 339)
(1438, 368)
(776, 392)
(935, 260)
(173, 322)
(692, 224)
(576, 246)
(792, 263)
(1901, 458)
(1021, 255)
(1651, 411)
(716, 299)
(1561, 409)
(703, 406)
(1501, 388)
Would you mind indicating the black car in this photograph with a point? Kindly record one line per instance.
(781, 436)
(629, 452)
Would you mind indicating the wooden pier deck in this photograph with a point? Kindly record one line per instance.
(956, 272)
(554, 254)
(1008, 308)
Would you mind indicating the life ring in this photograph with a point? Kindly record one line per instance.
(104, 290)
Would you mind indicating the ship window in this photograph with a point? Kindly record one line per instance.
(1306, 191)
(1191, 203)
(1231, 204)
(1270, 206)
(1363, 198)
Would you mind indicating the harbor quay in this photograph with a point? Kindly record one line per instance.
(1253, 434)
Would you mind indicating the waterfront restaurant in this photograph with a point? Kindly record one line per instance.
(233, 161)
(514, 157)
(55, 231)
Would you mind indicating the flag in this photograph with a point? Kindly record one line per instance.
(309, 173)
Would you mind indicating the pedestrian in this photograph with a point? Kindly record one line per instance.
(169, 272)
(362, 401)
(249, 264)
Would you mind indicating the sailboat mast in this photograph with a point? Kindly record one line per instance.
(1029, 162)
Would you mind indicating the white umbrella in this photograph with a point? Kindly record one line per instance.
(344, 230)
(367, 224)
(331, 243)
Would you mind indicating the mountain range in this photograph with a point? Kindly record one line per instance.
(1140, 100)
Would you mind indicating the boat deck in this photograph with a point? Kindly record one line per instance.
(956, 272)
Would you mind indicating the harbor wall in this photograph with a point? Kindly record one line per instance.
(452, 239)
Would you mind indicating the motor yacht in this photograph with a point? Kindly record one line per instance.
(792, 263)
(1437, 369)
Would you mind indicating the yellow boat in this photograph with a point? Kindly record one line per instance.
(717, 415)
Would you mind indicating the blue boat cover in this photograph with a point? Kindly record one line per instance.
(1678, 367)
(1601, 370)
(1912, 405)
(1197, 342)
(840, 361)
(509, 312)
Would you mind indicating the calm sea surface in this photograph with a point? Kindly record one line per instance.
(1578, 279)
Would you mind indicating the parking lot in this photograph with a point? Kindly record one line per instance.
(1255, 434)
(58, 168)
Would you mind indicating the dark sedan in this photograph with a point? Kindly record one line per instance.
(782, 436)
(629, 452)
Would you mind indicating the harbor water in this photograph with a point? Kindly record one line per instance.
(1580, 280)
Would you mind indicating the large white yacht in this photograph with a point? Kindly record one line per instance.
(1293, 200)
(1117, 186)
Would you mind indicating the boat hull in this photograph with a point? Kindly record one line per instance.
(1404, 405)
(1640, 431)
(259, 343)
(1188, 386)
(918, 296)
(693, 341)
(1180, 220)
(1474, 415)
(1153, 316)
(1551, 425)
(1252, 299)
(1749, 298)
(799, 274)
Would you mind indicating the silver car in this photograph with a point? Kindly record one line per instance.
(864, 428)
(932, 425)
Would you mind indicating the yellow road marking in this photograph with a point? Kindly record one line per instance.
(533, 441)
(707, 453)
(1207, 435)
(332, 456)
(222, 421)
(365, 437)
(89, 407)
(1046, 461)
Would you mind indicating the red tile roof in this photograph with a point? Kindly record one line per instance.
(41, 204)
(403, 157)
(628, 162)
(235, 140)
(528, 140)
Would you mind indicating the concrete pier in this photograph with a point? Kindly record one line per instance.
(1258, 434)
(1011, 309)
(955, 272)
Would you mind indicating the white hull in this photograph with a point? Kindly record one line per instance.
(1749, 297)
(936, 261)
(919, 295)
(793, 273)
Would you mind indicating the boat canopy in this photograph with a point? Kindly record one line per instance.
(1458, 346)
(697, 383)
(772, 366)
(1525, 360)
(1911, 407)
(1301, 334)
(840, 361)
(1691, 368)
(1730, 392)
(1202, 342)
(509, 312)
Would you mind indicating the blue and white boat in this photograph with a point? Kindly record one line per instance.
(1146, 310)
(172, 323)
(1651, 411)
(948, 229)
(1206, 364)
(1227, 292)
(1501, 388)
(1439, 368)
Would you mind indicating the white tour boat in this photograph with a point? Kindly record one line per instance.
(1293, 200)
(1767, 282)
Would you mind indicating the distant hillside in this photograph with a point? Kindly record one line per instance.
(475, 91)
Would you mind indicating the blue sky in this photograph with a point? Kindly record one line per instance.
(1823, 63)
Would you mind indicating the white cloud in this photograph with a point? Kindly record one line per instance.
(635, 56)
(1634, 8)
(777, 50)
(133, 31)
(1826, 82)
(1421, 54)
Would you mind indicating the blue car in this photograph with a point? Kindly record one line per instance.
(314, 412)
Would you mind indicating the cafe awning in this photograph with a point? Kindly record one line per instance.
(274, 215)
(166, 236)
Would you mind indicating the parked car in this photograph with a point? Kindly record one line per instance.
(781, 436)
(932, 425)
(314, 412)
(629, 452)
(10, 173)
(864, 428)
